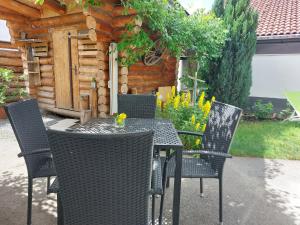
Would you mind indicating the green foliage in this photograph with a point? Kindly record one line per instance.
(5, 77)
(218, 8)
(230, 77)
(185, 116)
(263, 111)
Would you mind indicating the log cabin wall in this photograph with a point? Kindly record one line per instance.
(10, 58)
(97, 28)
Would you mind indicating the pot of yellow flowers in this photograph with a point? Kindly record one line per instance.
(120, 119)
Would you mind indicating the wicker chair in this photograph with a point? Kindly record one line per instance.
(104, 179)
(222, 123)
(137, 106)
(27, 124)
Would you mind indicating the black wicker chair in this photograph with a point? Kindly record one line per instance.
(137, 106)
(103, 179)
(27, 124)
(222, 123)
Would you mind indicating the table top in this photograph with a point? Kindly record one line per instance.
(165, 134)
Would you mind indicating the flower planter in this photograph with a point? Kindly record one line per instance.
(2, 113)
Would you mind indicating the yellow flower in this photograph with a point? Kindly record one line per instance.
(168, 99)
(206, 108)
(122, 116)
(203, 128)
(201, 100)
(119, 121)
(193, 119)
(182, 98)
(158, 100)
(188, 97)
(176, 102)
(198, 141)
(213, 99)
(197, 126)
(173, 91)
(186, 103)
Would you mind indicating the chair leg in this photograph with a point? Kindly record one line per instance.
(162, 197)
(201, 187)
(153, 209)
(29, 201)
(168, 178)
(48, 183)
(60, 213)
(221, 200)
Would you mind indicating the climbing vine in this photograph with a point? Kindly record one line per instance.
(200, 35)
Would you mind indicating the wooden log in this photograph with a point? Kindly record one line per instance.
(46, 100)
(99, 14)
(47, 74)
(85, 116)
(102, 83)
(104, 37)
(45, 94)
(124, 89)
(10, 54)
(55, 6)
(102, 115)
(103, 100)
(86, 42)
(123, 70)
(88, 69)
(122, 21)
(103, 75)
(104, 108)
(56, 21)
(123, 79)
(12, 17)
(91, 22)
(16, 69)
(84, 85)
(7, 44)
(10, 62)
(21, 8)
(121, 11)
(104, 27)
(45, 61)
(103, 91)
(47, 82)
(94, 102)
(46, 68)
(47, 106)
(45, 88)
(84, 102)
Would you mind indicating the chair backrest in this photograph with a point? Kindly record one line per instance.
(137, 106)
(103, 179)
(222, 123)
(29, 129)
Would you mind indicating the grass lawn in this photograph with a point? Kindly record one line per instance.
(267, 139)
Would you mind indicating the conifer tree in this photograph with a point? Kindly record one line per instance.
(230, 77)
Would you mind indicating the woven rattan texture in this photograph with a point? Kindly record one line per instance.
(104, 179)
(222, 123)
(137, 106)
(27, 123)
(165, 135)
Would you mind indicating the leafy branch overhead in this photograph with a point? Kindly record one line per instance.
(201, 35)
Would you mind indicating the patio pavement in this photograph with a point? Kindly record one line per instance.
(256, 192)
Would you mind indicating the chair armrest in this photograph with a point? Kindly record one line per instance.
(34, 152)
(219, 154)
(190, 133)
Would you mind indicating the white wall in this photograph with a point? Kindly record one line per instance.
(4, 34)
(272, 75)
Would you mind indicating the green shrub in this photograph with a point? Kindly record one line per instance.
(5, 77)
(263, 111)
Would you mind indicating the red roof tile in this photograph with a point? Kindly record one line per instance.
(277, 17)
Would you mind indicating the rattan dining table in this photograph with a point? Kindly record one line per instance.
(165, 137)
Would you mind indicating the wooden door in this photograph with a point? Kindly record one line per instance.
(66, 81)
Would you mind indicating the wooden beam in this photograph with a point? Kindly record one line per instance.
(20, 8)
(6, 44)
(11, 16)
(55, 6)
